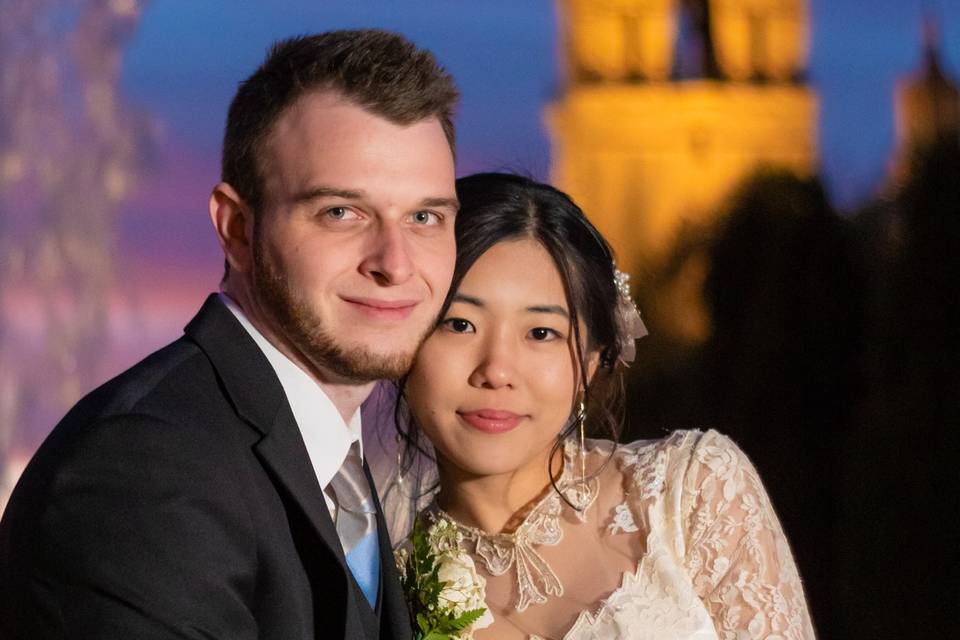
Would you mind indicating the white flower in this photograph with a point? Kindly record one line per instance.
(400, 557)
(465, 589)
(443, 536)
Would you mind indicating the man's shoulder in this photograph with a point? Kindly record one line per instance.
(180, 367)
(176, 377)
(166, 411)
(152, 392)
(181, 398)
(171, 395)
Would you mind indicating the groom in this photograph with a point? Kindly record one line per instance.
(217, 489)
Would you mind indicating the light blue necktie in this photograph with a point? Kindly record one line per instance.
(356, 522)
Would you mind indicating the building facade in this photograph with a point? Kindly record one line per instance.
(667, 106)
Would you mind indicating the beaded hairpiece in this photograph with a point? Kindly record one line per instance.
(630, 326)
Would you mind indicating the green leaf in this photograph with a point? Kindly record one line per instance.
(420, 579)
(467, 618)
(423, 623)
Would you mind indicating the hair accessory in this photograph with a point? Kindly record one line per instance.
(630, 326)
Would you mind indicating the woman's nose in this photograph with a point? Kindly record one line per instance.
(496, 367)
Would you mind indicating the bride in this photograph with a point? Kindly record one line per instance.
(575, 537)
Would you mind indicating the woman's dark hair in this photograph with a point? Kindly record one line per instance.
(498, 207)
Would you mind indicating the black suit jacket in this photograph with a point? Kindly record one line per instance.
(178, 501)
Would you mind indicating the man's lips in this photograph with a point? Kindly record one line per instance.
(382, 309)
(491, 420)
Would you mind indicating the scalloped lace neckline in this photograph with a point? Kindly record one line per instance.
(500, 552)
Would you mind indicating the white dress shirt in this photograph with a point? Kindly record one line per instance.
(327, 437)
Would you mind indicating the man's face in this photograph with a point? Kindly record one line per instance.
(354, 246)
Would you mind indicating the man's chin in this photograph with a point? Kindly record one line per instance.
(361, 364)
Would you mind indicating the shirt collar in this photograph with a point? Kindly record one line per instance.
(326, 436)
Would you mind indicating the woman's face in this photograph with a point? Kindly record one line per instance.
(494, 384)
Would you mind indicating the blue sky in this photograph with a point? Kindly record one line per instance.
(187, 57)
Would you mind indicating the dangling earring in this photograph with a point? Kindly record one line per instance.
(583, 492)
(400, 450)
(581, 453)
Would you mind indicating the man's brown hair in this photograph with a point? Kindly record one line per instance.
(382, 72)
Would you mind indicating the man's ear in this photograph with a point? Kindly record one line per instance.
(233, 221)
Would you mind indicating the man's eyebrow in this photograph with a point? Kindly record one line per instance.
(351, 194)
(550, 308)
(436, 203)
(326, 192)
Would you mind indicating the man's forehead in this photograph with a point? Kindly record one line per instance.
(326, 141)
(308, 111)
(327, 110)
(319, 98)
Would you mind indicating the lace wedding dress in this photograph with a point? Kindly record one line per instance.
(679, 541)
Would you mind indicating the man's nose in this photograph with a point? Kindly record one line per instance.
(388, 257)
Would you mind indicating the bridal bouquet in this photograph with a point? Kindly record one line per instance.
(444, 592)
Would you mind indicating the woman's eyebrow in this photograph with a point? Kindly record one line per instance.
(549, 308)
(537, 308)
(471, 300)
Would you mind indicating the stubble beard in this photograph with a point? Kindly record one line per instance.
(305, 330)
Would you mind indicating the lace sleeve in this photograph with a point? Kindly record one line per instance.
(735, 551)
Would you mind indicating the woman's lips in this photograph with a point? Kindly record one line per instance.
(491, 420)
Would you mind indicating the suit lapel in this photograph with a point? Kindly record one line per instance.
(283, 453)
(259, 399)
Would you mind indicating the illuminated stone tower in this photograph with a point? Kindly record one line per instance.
(669, 103)
(927, 105)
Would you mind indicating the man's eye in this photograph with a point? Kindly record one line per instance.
(542, 334)
(426, 218)
(458, 325)
(341, 213)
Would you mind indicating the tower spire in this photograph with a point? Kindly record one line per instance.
(930, 36)
(927, 101)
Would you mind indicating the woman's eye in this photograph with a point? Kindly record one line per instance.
(458, 325)
(543, 334)
(426, 218)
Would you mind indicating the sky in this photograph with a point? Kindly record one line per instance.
(183, 64)
(187, 57)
